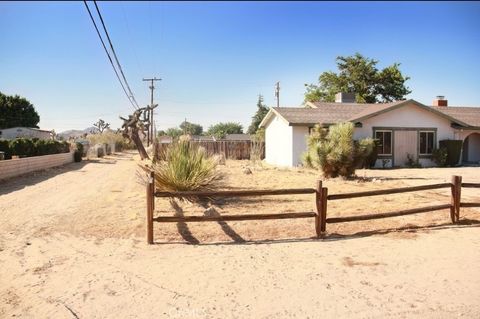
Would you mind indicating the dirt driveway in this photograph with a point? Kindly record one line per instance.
(72, 246)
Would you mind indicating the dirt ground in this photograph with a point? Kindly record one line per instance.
(72, 245)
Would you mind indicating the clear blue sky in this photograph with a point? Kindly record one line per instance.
(215, 58)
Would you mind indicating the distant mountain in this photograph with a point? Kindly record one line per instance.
(75, 133)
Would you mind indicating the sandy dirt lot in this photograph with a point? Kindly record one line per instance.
(72, 246)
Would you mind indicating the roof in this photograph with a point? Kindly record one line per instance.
(26, 128)
(331, 113)
(468, 115)
(238, 137)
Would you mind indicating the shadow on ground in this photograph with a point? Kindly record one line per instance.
(463, 223)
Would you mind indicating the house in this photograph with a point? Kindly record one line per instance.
(403, 127)
(237, 137)
(27, 132)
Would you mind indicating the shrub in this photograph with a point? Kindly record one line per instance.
(412, 162)
(335, 152)
(22, 147)
(77, 156)
(454, 149)
(5, 147)
(439, 156)
(187, 168)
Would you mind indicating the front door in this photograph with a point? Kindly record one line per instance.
(404, 143)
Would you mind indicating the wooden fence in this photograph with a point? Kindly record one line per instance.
(321, 199)
(236, 150)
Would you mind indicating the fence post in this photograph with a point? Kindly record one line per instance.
(318, 203)
(456, 198)
(323, 217)
(150, 207)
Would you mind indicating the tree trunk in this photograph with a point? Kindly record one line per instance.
(138, 143)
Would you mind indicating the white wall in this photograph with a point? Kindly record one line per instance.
(278, 142)
(20, 166)
(299, 138)
(17, 132)
(408, 116)
(474, 147)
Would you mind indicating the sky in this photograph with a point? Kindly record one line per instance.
(214, 58)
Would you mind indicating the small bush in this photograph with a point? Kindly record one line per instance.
(412, 162)
(335, 152)
(5, 147)
(439, 156)
(22, 147)
(187, 168)
(454, 149)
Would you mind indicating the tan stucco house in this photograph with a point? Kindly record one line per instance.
(403, 127)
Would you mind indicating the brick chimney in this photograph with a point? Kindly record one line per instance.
(344, 97)
(440, 101)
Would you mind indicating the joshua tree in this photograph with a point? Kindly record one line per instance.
(131, 127)
(101, 125)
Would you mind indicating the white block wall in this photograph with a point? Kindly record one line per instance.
(20, 166)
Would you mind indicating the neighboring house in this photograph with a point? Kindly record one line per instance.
(202, 138)
(165, 139)
(237, 137)
(27, 132)
(403, 127)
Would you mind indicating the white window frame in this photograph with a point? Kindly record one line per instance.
(391, 142)
(420, 145)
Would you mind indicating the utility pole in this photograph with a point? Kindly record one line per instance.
(277, 93)
(150, 109)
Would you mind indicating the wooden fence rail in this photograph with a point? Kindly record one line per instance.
(321, 200)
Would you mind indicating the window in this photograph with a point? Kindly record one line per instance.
(427, 142)
(385, 142)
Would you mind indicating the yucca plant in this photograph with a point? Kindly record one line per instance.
(187, 167)
(335, 152)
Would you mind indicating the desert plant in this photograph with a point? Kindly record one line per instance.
(79, 147)
(412, 162)
(439, 156)
(5, 147)
(335, 152)
(257, 147)
(187, 168)
(454, 149)
(22, 147)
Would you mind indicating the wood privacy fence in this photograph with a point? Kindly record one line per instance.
(321, 199)
(236, 150)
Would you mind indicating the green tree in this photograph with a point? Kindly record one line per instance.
(173, 132)
(191, 128)
(17, 111)
(262, 110)
(220, 130)
(359, 74)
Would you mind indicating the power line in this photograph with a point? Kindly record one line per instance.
(114, 53)
(108, 54)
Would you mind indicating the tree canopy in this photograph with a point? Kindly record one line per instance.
(360, 75)
(191, 128)
(262, 110)
(220, 130)
(17, 111)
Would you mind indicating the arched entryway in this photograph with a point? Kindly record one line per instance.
(471, 149)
